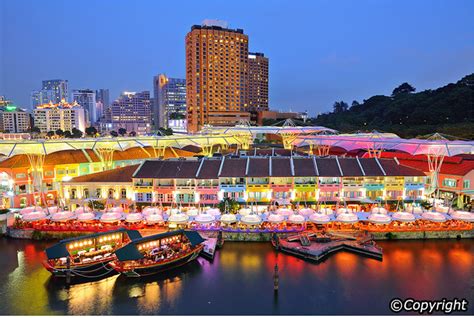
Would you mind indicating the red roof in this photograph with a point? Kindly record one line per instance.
(458, 166)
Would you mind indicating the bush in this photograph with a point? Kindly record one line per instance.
(232, 205)
(4, 211)
(390, 236)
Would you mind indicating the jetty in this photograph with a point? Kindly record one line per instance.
(316, 246)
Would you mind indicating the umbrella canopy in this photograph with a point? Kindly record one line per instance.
(86, 216)
(296, 218)
(110, 217)
(204, 218)
(347, 218)
(275, 218)
(81, 209)
(343, 210)
(178, 218)
(213, 211)
(319, 218)
(285, 211)
(379, 210)
(63, 216)
(463, 216)
(228, 218)
(151, 210)
(306, 211)
(251, 219)
(245, 211)
(29, 209)
(380, 218)
(153, 218)
(192, 211)
(434, 216)
(403, 217)
(116, 209)
(134, 217)
(35, 216)
(327, 211)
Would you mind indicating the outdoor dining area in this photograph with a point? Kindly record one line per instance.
(252, 218)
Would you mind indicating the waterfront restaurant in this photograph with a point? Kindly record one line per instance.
(250, 180)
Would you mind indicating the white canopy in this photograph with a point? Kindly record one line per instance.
(463, 216)
(154, 218)
(285, 211)
(403, 217)
(81, 209)
(213, 211)
(306, 211)
(379, 210)
(204, 218)
(296, 218)
(29, 209)
(319, 218)
(110, 217)
(35, 216)
(174, 211)
(151, 210)
(343, 210)
(251, 219)
(86, 216)
(192, 211)
(116, 209)
(434, 216)
(380, 218)
(134, 217)
(347, 218)
(63, 216)
(327, 211)
(178, 218)
(228, 218)
(275, 218)
(245, 211)
(52, 209)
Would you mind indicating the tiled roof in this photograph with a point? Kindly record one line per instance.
(327, 167)
(371, 167)
(391, 168)
(281, 167)
(304, 167)
(258, 167)
(234, 167)
(350, 167)
(209, 169)
(123, 174)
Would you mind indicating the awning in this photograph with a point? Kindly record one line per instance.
(57, 251)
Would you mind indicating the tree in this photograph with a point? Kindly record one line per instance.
(60, 132)
(36, 130)
(232, 205)
(404, 88)
(166, 131)
(132, 134)
(340, 107)
(122, 131)
(355, 103)
(76, 133)
(50, 133)
(91, 131)
(68, 134)
(113, 133)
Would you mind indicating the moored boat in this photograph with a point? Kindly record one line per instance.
(157, 253)
(87, 256)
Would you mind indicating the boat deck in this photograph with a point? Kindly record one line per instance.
(209, 250)
(316, 248)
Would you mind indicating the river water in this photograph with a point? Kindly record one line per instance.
(240, 281)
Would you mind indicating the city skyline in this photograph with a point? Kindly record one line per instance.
(328, 47)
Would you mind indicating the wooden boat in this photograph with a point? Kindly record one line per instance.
(157, 253)
(87, 256)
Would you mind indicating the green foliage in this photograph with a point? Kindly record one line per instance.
(390, 236)
(232, 205)
(91, 131)
(59, 132)
(404, 88)
(96, 205)
(4, 211)
(446, 110)
(165, 131)
(122, 131)
(76, 133)
(426, 205)
(113, 133)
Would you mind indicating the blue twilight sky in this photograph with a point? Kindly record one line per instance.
(320, 51)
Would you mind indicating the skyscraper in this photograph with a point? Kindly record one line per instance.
(64, 116)
(14, 119)
(56, 90)
(258, 82)
(86, 98)
(169, 100)
(131, 111)
(51, 91)
(102, 100)
(216, 75)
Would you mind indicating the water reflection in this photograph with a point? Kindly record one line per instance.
(240, 281)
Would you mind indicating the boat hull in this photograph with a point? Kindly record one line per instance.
(160, 267)
(94, 270)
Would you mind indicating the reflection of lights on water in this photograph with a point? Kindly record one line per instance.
(251, 261)
(135, 292)
(228, 259)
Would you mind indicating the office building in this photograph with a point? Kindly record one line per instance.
(132, 111)
(54, 91)
(216, 75)
(102, 102)
(258, 82)
(169, 101)
(14, 119)
(87, 99)
(63, 115)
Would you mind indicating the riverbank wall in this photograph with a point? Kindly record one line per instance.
(423, 235)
